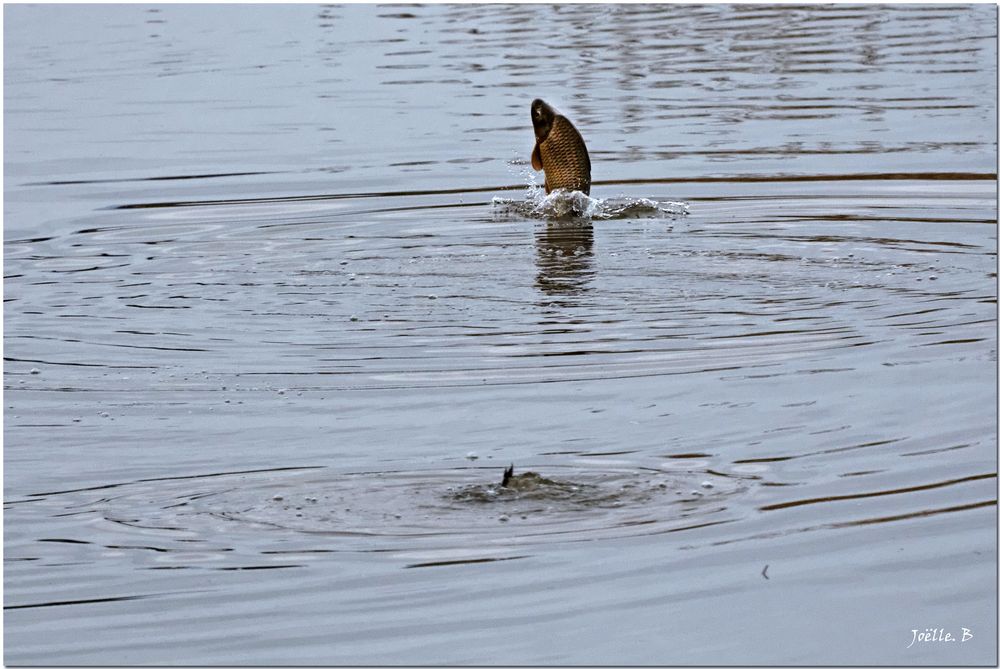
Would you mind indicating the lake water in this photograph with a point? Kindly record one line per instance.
(278, 313)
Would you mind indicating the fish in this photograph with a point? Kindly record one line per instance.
(527, 482)
(559, 150)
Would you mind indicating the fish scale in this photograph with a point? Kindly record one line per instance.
(565, 159)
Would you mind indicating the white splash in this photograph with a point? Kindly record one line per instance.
(561, 204)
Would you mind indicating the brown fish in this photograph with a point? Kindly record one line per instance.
(559, 150)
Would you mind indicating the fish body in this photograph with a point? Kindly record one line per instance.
(559, 150)
(526, 482)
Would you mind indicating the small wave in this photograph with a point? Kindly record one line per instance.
(234, 515)
(561, 205)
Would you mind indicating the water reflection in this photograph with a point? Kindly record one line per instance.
(565, 256)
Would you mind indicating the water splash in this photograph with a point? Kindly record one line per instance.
(561, 204)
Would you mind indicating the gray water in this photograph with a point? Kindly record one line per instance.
(278, 314)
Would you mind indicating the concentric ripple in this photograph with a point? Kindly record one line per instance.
(406, 509)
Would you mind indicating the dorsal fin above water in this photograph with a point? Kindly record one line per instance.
(508, 474)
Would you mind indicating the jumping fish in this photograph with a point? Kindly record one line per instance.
(559, 150)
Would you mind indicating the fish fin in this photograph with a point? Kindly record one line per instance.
(507, 475)
(536, 158)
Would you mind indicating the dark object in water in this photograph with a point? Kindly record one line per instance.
(530, 482)
(508, 474)
(559, 150)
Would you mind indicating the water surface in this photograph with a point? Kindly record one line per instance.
(277, 317)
